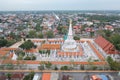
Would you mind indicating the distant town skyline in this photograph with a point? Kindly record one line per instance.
(15, 5)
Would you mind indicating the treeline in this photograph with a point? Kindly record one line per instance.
(34, 34)
(103, 18)
(114, 38)
(114, 65)
(6, 43)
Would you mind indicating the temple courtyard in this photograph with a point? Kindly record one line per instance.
(63, 51)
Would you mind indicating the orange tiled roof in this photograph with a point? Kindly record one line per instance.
(50, 46)
(46, 76)
(11, 55)
(105, 45)
(37, 40)
(3, 52)
(31, 50)
(8, 49)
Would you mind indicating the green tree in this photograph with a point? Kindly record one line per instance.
(55, 68)
(48, 65)
(64, 31)
(82, 67)
(103, 18)
(50, 34)
(64, 68)
(9, 66)
(32, 34)
(3, 42)
(15, 36)
(90, 63)
(91, 34)
(76, 38)
(20, 52)
(59, 28)
(108, 33)
(38, 27)
(0, 20)
(10, 42)
(41, 67)
(29, 76)
(9, 76)
(27, 45)
(40, 35)
(114, 65)
(115, 39)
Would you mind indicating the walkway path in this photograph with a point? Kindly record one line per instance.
(96, 51)
(56, 71)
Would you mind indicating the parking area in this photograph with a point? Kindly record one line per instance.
(87, 75)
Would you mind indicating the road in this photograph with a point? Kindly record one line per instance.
(77, 75)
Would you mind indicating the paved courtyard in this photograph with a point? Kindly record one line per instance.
(87, 54)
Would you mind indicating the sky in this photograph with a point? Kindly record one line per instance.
(16, 5)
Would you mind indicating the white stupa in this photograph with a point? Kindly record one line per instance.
(70, 44)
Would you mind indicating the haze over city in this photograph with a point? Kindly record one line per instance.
(59, 39)
(15, 5)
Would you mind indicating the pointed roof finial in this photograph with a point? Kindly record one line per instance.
(70, 29)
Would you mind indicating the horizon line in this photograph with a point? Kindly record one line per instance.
(58, 10)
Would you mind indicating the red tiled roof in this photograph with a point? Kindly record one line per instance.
(109, 27)
(14, 76)
(95, 77)
(75, 27)
(19, 76)
(3, 77)
(105, 45)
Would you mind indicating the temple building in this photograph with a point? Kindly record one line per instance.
(58, 49)
(70, 45)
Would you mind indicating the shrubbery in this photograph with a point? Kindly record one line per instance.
(30, 58)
